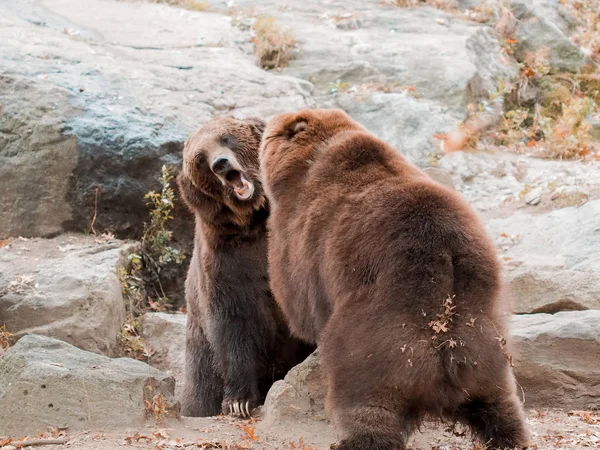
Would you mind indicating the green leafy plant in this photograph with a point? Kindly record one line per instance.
(156, 248)
(140, 274)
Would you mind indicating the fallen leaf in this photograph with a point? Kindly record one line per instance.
(250, 432)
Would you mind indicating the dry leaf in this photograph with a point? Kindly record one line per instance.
(250, 432)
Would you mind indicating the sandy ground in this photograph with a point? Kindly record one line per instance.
(551, 429)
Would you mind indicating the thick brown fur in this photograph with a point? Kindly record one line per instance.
(393, 275)
(237, 341)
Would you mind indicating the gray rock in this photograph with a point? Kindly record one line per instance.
(494, 183)
(66, 287)
(90, 101)
(449, 62)
(543, 24)
(165, 335)
(554, 263)
(557, 358)
(407, 123)
(37, 157)
(533, 197)
(594, 122)
(300, 396)
(440, 175)
(46, 382)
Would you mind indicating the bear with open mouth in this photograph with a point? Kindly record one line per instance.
(237, 340)
(394, 277)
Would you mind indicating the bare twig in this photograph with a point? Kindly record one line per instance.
(35, 442)
(95, 210)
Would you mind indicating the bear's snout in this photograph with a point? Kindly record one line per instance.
(221, 166)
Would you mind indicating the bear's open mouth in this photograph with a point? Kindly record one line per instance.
(242, 188)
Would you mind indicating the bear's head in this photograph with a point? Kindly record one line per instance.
(291, 142)
(220, 175)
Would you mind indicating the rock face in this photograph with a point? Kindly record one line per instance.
(165, 335)
(93, 106)
(557, 358)
(300, 396)
(544, 24)
(90, 101)
(405, 73)
(552, 259)
(556, 361)
(66, 287)
(45, 382)
(37, 157)
(496, 184)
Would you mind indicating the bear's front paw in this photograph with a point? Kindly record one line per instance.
(238, 407)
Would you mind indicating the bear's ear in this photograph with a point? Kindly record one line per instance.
(257, 126)
(296, 126)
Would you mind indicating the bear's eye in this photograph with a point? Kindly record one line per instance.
(227, 140)
(200, 160)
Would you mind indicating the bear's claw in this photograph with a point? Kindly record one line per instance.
(238, 408)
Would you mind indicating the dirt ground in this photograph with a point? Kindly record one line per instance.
(551, 429)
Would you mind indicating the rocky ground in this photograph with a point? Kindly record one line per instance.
(552, 429)
(97, 95)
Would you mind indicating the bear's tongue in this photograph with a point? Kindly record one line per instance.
(245, 191)
(242, 187)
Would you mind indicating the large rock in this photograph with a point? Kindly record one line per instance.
(496, 183)
(100, 94)
(552, 259)
(66, 287)
(540, 24)
(544, 24)
(557, 358)
(406, 73)
(300, 396)
(46, 382)
(37, 157)
(164, 334)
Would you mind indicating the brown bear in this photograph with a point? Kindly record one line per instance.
(237, 340)
(394, 277)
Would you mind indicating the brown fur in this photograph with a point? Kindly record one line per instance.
(237, 341)
(395, 278)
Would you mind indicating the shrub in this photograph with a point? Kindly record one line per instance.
(141, 274)
(273, 44)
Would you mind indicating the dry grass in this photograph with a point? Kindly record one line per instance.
(587, 35)
(481, 14)
(156, 405)
(273, 43)
(192, 5)
(439, 4)
(6, 339)
(546, 113)
(568, 137)
(131, 343)
(554, 124)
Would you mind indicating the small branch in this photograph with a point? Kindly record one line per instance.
(95, 210)
(35, 442)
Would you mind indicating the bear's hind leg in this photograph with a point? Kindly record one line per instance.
(369, 428)
(203, 386)
(498, 421)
